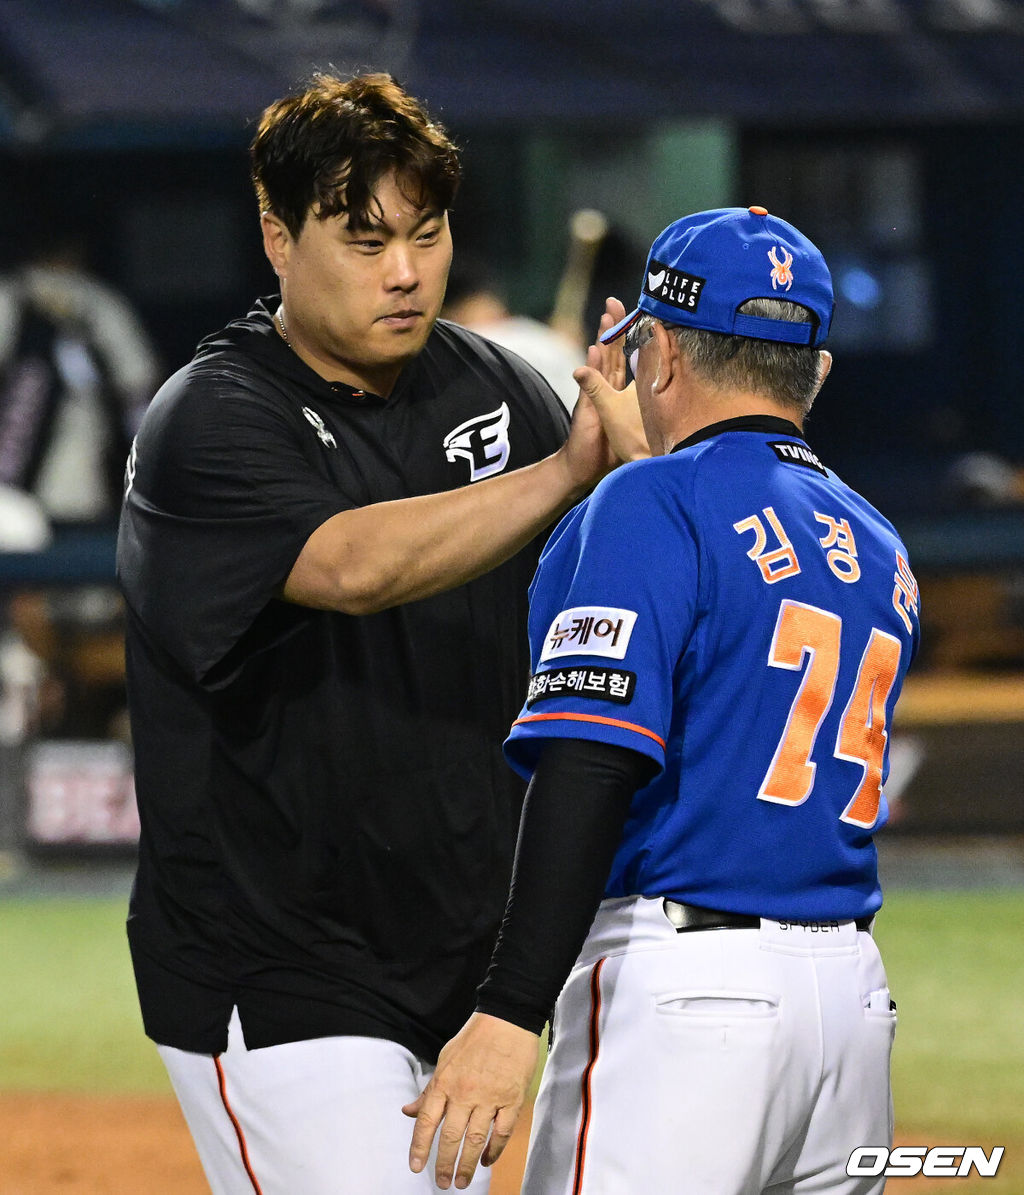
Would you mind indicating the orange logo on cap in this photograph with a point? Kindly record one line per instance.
(782, 275)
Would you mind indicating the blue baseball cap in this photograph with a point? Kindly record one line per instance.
(704, 267)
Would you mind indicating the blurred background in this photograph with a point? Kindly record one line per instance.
(890, 131)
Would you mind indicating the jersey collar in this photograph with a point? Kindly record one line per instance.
(771, 424)
(261, 321)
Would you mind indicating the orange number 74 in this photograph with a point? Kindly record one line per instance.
(807, 633)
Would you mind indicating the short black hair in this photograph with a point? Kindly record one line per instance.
(325, 149)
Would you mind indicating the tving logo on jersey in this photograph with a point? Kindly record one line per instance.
(483, 441)
(673, 286)
(797, 454)
(325, 436)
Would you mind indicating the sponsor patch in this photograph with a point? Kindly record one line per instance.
(673, 286)
(602, 684)
(589, 631)
(797, 454)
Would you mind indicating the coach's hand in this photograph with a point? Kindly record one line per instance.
(481, 1080)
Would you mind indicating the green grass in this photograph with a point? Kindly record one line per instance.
(69, 1019)
(955, 962)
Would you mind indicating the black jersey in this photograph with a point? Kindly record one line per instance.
(327, 822)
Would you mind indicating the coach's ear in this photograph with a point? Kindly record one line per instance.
(277, 242)
(669, 358)
(824, 367)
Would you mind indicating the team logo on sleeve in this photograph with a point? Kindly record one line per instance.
(130, 466)
(589, 631)
(483, 441)
(325, 437)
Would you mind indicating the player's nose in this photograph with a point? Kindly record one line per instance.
(401, 272)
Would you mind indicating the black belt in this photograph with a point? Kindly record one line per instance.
(688, 918)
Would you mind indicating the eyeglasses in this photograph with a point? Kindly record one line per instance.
(634, 341)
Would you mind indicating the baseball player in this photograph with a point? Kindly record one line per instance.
(719, 636)
(323, 656)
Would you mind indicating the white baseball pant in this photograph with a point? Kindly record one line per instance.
(320, 1117)
(725, 1061)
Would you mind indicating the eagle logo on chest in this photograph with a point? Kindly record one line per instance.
(483, 441)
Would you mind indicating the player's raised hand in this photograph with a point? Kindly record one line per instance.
(473, 1098)
(603, 381)
(586, 455)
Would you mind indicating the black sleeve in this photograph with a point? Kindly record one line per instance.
(572, 823)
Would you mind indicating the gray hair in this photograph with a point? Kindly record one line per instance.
(786, 373)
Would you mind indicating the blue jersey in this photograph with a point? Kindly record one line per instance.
(739, 614)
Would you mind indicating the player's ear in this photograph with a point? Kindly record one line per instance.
(277, 241)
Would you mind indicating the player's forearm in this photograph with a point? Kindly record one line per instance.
(369, 559)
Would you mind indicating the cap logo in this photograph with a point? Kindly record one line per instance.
(673, 286)
(782, 275)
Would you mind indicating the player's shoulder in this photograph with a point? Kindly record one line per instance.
(209, 381)
(451, 337)
(210, 398)
(178, 400)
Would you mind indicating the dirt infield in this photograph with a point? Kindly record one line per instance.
(54, 1144)
(128, 1145)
